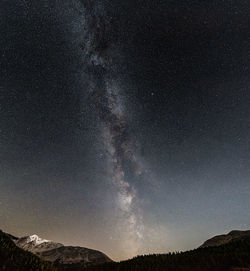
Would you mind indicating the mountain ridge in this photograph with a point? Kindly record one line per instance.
(50, 251)
(226, 238)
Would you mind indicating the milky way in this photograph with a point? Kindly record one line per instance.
(123, 164)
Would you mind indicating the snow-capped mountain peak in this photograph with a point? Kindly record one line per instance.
(34, 243)
(52, 251)
(36, 239)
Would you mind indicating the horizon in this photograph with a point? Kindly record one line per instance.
(125, 259)
(124, 125)
(81, 244)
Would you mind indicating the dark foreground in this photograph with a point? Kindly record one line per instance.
(234, 256)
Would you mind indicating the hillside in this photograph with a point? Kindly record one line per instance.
(226, 238)
(13, 258)
(232, 256)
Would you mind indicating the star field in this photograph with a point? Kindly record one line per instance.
(124, 126)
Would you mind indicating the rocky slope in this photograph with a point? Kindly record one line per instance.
(72, 255)
(226, 238)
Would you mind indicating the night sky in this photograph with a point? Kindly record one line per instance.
(125, 125)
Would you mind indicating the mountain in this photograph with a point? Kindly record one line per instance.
(226, 238)
(70, 257)
(13, 258)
